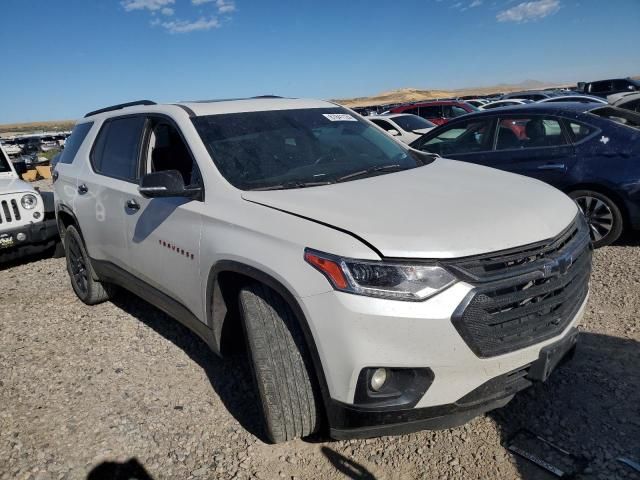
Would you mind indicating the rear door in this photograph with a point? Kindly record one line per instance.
(535, 146)
(104, 185)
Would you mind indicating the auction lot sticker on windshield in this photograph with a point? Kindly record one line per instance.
(339, 117)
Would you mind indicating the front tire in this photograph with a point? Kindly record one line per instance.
(81, 274)
(281, 366)
(602, 214)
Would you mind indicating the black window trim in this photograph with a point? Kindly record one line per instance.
(145, 146)
(105, 123)
(595, 130)
(563, 129)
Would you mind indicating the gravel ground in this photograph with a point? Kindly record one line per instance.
(87, 392)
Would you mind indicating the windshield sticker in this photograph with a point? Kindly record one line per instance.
(339, 117)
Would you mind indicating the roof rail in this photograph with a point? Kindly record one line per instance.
(120, 106)
(267, 96)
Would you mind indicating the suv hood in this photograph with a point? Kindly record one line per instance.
(445, 209)
(10, 184)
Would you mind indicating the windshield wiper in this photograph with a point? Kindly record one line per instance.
(368, 171)
(291, 184)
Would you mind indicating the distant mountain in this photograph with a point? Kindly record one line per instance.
(416, 94)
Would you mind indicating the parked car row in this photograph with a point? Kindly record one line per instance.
(33, 144)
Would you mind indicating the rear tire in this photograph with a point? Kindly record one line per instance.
(602, 214)
(281, 366)
(81, 274)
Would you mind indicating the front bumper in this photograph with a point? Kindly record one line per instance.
(38, 237)
(349, 421)
(353, 332)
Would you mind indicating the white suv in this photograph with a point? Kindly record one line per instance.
(27, 223)
(380, 290)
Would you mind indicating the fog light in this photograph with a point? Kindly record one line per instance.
(36, 215)
(21, 237)
(378, 378)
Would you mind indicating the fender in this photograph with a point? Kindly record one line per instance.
(217, 309)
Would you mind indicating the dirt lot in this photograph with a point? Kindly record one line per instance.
(85, 390)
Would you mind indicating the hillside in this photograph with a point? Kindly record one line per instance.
(403, 95)
(10, 129)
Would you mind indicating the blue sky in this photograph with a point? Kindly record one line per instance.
(63, 58)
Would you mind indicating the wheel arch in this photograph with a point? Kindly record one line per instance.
(607, 191)
(223, 283)
(64, 218)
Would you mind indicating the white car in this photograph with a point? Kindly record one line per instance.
(11, 148)
(504, 103)
(380, 290)
(573, 98)
(405, 127)
(27, 223)
(627, 100)
(477, 102)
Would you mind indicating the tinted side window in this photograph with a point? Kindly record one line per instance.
(116, 150)
(453, 111)
(430, 112)
(465, 137)
(633, 106)
(384, 125)
(599, 87)
(73, 143)
(529, 132)
(579, 131)
(623, 85)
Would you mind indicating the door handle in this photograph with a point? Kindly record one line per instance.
(132, 205)
(552, 166)
(82, 189)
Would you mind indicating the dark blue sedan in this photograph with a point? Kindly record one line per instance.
(589, 151)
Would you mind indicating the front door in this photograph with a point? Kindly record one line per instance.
(163, 234)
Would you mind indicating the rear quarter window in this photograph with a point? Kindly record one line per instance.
(73, 143)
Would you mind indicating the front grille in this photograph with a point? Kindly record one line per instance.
(9, 211)
(523, 298)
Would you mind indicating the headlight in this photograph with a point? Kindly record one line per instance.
(395, 281)
(29, 201)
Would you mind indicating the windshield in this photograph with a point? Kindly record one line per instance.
(298, 148)
(4, 163)
(410, 123)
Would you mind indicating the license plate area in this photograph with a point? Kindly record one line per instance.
(551, 356)
(6, 241)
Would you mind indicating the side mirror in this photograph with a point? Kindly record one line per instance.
(168, 183)
(394, 132)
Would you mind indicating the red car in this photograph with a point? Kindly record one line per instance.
(437, 111)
